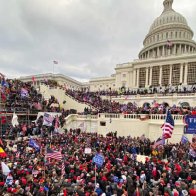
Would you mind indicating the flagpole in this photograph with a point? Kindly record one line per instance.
(45, 162)
(95, 176)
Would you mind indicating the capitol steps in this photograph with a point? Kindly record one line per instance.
(66, 101)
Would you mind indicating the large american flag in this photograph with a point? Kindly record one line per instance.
(53, 154)
(168, 126)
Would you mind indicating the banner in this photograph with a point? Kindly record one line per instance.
(24, 92)
(98, 159)
(47, 119)
(87, 150)
(190, 124)
(33, 144)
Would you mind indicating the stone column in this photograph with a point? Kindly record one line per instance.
(146, 85)
(181, 72)
(148, 54)
(186, 73)
(150, 82)
(163, 51)
(158, 53)
(180, 49)
(170, 75)
(174, 49)
(134, 78)
(160, 76)
(185, 49)
(138, 78)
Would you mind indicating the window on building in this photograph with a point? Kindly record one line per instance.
(123, 84)
(165, 75)
(191, 77)
(124, 75)
(142, 77)
(102, 123)
(155, 75)
(175, 80)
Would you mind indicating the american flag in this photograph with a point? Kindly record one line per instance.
(168, 126)
(63, 169)
(53, 154)
(55, 62)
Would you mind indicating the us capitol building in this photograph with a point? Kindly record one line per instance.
(168, 57)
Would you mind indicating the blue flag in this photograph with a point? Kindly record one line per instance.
(98, 159)
(184, 139)
(33, 144)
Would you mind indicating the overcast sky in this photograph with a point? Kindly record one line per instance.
(87, 37)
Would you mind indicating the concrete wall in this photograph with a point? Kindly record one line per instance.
(86, 123)
(127, 125)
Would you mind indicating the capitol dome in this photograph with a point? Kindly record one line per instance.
(168, 35)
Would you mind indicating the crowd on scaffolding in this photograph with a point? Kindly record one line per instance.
(22, 97)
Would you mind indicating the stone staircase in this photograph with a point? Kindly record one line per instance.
(66, 101)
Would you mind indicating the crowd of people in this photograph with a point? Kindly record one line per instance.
(167, 170)
(63, 163)
(109, 106)
(22, 97)
(164, 90)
